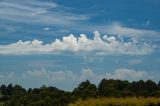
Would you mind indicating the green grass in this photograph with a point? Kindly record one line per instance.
(132, 101)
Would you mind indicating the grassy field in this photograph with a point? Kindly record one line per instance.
(118, 102)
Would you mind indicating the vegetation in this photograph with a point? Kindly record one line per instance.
(108, 93)
(129, 101)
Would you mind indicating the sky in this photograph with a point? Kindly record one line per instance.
(64, 42)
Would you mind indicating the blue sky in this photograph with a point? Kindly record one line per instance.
(61, 43)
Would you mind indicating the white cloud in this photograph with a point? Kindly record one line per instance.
(86, 74)
(47, 77)
(2, 76)
(93, 59)
(129, 74)
(36, 11)
(119, 29)
(134, 62)
(148, 22)
(82, 44)
(49, 13)
(52, 14)
(46, 29)
(11, 75)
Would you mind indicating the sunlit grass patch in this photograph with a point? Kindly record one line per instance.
(130, 101)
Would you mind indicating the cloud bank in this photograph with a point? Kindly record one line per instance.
(122, 73)
(98, 44)
(44, 76)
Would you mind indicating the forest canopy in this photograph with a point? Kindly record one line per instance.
(16, 95)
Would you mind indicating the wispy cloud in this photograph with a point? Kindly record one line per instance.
(35, 11)
(49, 13)
(119, 29)
(135, 61)
(82, 44)
(46, 29)
(93, 59)
(148, 22)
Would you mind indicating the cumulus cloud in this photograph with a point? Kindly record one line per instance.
(86, 74)
(130, 74)
(99, 45)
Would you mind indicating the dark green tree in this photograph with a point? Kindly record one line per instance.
(138, 87)
(3, 89)
(150, 86)
(9, 89)
(18, 90)
(85, 90)
(29, 90)
(114, 88)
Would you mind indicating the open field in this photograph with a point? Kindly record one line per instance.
(130, 101)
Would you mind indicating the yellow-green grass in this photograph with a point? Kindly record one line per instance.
(130, 101)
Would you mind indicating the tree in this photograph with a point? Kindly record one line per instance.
(9, 89)
(85, 90)
(150, 86)
(3, 89)
(106, 87)
(18, 90)
(138, 87)
(29, 90)
(114, 88)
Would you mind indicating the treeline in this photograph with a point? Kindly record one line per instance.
(51, 96)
